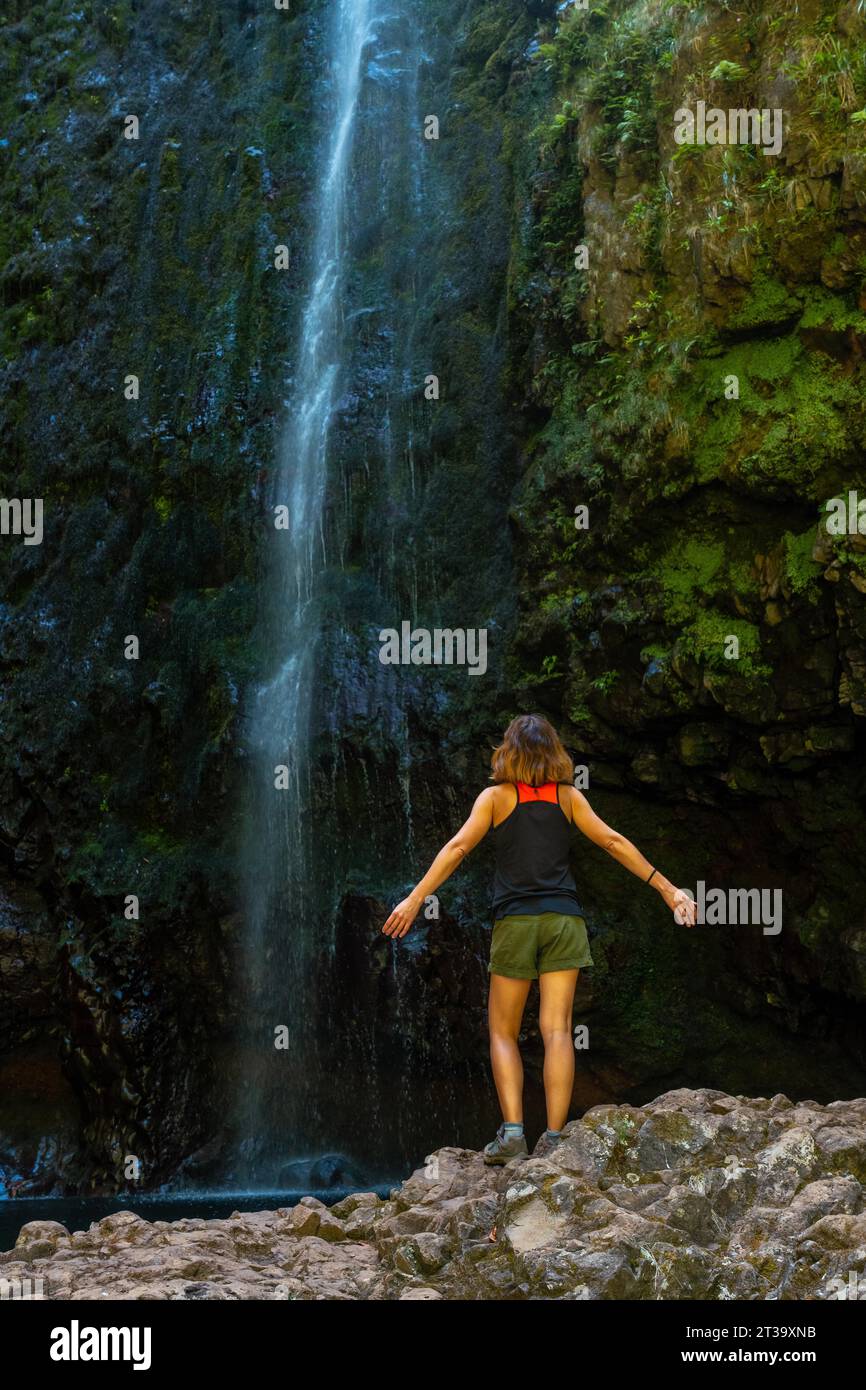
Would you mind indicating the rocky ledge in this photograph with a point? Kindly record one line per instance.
(696, 1195)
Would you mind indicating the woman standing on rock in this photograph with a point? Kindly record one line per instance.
(538, 931)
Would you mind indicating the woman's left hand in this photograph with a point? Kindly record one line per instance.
(682, 905)
(402, 917)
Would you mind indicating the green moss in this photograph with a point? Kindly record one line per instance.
(687, 573)
(798, 414)
(654, 651)
(813, 428)
(821, 309)
(801, 570)
(565, 55)
(768, 303)
(742, 579)
(620, 77)
(706, 638)
(606, 681)
(673, 1127)
(727, 71)
(159, 842)
(561, 602)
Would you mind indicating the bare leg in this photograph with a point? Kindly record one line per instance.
(505, 1014)
(554, 1017)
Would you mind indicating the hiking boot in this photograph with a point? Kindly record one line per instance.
(547, 1145)
(505, 1147)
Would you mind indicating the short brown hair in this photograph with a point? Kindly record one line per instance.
(531, 751)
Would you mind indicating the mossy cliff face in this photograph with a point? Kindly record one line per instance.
(698, 385)
(603, 387)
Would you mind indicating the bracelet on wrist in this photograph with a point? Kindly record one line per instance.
(652, 876)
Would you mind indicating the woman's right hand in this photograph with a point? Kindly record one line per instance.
(402, 917)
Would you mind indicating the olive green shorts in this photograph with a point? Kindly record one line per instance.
(525, 947)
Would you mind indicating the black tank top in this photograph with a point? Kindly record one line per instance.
(532, 844)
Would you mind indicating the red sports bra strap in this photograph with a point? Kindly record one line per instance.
(547, 792)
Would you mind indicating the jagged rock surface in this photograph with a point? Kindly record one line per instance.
(697, 1195)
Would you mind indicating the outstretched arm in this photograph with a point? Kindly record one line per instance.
(443, 866)
(627, 854)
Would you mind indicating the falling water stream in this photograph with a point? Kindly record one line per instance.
(365, 168)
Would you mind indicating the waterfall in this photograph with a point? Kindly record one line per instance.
(286, 954)
(397, 510)
(281, 715)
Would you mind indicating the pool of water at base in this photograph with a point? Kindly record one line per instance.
(77, 1213)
